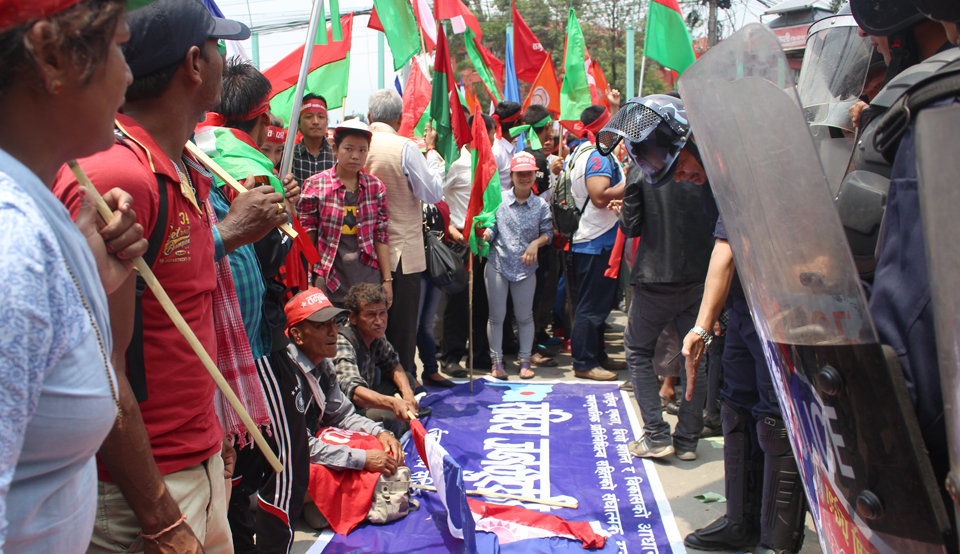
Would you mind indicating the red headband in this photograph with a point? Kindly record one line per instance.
(256, 111)
(313, 106)
(593, 128)
(510, 119)
(276, 135)
(16, 12)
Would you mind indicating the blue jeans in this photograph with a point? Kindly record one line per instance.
(596, 298)
(426, 342)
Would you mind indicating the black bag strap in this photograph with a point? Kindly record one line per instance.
(136, 369)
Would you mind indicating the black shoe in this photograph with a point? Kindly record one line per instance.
(723, 534)
(711, 427)
(672, 408)
(424, 412)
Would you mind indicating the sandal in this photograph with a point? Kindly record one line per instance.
(542, 361)
(498, 372)
(525, 371)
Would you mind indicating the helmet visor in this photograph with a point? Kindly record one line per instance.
(835, 66)
(655, 154)
(633, 122)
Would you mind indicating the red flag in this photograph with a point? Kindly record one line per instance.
(428, 26)
(602, 85)
(528, 53)
(545, 90)
(453, 131)
(343, 496)
(496, 66)
(284, 74)
(470, 97)
(461, 15)
(416, 98)
(485, 192)
(374, 22)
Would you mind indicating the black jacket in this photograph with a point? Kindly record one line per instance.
(677, 236)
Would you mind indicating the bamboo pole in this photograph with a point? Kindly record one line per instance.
(182, 325)
(491, 494)
(228, 179)
(470, 318)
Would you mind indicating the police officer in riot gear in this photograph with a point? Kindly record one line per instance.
(760, 469)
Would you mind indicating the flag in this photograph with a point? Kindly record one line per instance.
(485, 193)
(511, 86)
(421, 9)
(396, 85)
(445, 108)
(416, 101)
(329, 69)
(343, 496)
(528, 53)
(575, 92)
(470, 96)
(545, 90)
(509, 523)
(459, 15)
(401, 30)
(668, 40)
(479, 61)
(602, 85)
(374, 21)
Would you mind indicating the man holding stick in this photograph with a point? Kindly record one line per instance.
(161, 477)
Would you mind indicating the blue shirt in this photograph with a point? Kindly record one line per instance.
(600, 166)
(517, 225)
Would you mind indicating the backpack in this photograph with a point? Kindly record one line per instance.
(566, 215)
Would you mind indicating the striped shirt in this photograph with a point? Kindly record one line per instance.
(321, 210)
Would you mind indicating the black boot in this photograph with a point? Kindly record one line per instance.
(784, 503)
(742, 464)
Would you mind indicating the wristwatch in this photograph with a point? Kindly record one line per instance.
(707, 337)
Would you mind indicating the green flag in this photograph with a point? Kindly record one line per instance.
(445, 110)
(329, 81)
(400, 28)
(482, 70)
(668, 40)
(485, 191)
(575, 92)
(235, 156)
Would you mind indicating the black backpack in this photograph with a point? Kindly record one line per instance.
(566, 214)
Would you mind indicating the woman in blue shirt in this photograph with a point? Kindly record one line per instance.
(523, 225)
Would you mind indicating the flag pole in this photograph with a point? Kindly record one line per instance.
(181, 324)
(287, 158)
(643, 55)
(470, 316)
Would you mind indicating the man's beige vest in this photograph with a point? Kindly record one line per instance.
(403, 208)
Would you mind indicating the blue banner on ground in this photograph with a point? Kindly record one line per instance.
(556, 440)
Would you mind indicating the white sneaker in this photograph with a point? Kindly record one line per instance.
(643, 449)
(687, 456)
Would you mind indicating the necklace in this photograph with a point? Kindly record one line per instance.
(103, 351)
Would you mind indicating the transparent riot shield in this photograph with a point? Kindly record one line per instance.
(852, 426)
(939, 206)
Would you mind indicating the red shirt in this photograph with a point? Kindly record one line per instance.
(179, 411)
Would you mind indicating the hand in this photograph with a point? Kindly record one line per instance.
(388, 288)
(401, 406)
(855, 112)
(115, 244)
(613, 96)
(392, 446)
(411, 398)
(291, 189)
(252, 215)
(530, 255)
(717, 329)
(179, 540)
(692, 350)
(229, 456)
(615, 206)
(378, 460)
(430, 137)
(487, 235)
(556, 166)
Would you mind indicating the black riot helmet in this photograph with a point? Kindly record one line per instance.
(883, 18)
(655, 129)
(941, 10)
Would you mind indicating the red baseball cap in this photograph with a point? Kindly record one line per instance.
(523, 161)
(311, 305)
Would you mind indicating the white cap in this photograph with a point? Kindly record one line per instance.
(355, 125)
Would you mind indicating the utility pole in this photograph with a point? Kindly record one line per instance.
(712, 24)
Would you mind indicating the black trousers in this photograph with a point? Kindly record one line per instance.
(456, 317)
(402, 317)
(279, 495)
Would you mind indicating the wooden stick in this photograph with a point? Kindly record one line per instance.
(470, 319)
(492, 494)
(226, 178)
(410, 414)
(107, 214)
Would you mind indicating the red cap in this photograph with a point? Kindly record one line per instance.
(276, 135)
(523, 161)
(310, 305)
(16, 12)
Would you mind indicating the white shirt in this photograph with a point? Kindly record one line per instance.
(503, 151)
(425, 175)
(456, 188)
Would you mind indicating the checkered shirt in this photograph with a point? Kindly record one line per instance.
(363, 369)
(321, 210)
(306, 165)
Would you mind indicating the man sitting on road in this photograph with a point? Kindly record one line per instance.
(368, 368)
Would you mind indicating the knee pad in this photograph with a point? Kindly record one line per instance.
(772, 434)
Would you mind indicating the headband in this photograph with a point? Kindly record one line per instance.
(313, 106)
(17, 12)
(534, 139)
(594, 127)
(509, 119)
(256, 111)
(276, 135)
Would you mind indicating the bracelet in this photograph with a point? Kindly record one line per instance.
(154, 537)
(388, 280)
(706, 337)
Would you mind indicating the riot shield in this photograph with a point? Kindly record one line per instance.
(851, 423)
(939, 206)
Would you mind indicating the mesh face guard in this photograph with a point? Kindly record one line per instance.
(655, 134)
(632, 122)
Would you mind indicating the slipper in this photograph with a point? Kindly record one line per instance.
(498, 373)
(455, 370)
(544, 361)
(526, 372)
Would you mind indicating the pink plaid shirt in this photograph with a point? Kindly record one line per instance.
(321, 210)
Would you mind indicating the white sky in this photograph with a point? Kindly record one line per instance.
(363, 56)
